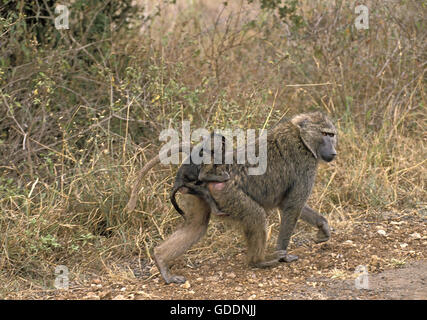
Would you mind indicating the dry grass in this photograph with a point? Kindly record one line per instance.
(62, 200)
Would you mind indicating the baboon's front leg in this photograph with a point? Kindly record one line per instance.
(289, 215)
(315, 219)
(193, 229)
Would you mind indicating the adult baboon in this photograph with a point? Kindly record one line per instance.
(294, 149)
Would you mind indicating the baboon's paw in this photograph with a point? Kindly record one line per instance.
(175, 279)
(288, 258)
(323, 234)
(321, 238)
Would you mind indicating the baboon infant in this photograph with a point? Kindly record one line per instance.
(193, 178)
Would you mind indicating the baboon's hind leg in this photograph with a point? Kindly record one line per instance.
(193, 229)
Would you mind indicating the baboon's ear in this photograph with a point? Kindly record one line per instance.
(302, 123)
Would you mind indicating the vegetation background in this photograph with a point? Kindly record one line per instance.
(81, 111)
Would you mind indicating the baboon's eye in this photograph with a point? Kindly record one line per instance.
(330, 134)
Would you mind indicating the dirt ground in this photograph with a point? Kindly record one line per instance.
(391, 250)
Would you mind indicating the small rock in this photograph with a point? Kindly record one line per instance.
(415, 235)
(92, 296)
(119, 297)
(185, 285)
(213, 278)
(123, 289)
(231, 275)
(382, 232)
(403, 245)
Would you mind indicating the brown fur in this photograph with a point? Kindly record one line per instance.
(193, 178)
(191, 231)
(294, 149)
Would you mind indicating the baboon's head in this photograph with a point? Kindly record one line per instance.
(214, 147)
(318, 134)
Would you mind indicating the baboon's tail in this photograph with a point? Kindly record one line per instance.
(137, 184)
(175, 204)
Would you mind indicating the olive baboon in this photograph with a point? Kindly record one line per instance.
(192, 178)
(294, 149)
